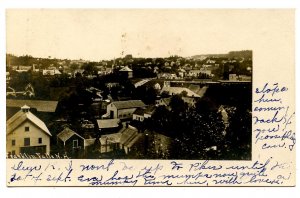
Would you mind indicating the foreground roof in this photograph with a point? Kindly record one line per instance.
(66, 134)
(40, 105)
(108, 123)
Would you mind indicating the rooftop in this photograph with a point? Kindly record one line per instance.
(40, 105)
(66, 134)
(108, 123)
(128, 104)
(126, 68)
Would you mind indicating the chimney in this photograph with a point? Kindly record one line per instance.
(25, 108)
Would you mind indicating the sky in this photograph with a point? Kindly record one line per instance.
(99, 34)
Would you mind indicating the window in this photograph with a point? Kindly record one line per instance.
(75, 143)
(26, 141)
(13, 152)
(13, 142)
(26, 128)
(40, 140)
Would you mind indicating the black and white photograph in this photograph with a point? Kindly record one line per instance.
(128, 84)
(149, 97)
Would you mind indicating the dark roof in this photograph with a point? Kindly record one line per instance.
(139, 111)
(150, 109)
(40, 105)
(108, 123)
(128, 134)
(66, 134)
(128, 104)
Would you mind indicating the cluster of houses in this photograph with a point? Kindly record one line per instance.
(27, 130)
(27, 133)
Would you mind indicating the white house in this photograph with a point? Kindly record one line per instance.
(26, 134)
(123, 109)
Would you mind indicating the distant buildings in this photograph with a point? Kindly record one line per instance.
(26, 133)
(51, 72)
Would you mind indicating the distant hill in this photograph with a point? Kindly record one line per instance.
(203, 56)
(240, 54)
(232, 54)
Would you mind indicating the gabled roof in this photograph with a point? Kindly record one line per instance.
(134, 140)
(108, 123)
(66, 134)
(40, 105)
(126, 68)
(128, 134)
(20, 117)
(128, 104)
(127, 137)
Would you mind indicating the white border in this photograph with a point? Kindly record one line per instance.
(139, 191)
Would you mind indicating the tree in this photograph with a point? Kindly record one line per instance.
(74, 66)
(239, 136)
(177, 104)
(201, 132)
(89, 68)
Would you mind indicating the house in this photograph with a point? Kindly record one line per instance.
(29, 90)
(78, 71)
(51, 72)
(22, 68)
(143, 113)
(166, 76)
(96, 93)
(27, 134)
(198, 90)
(126, 139)
(126, 72)
(72, 143)
(108, 125)
(163, 102)
(123, 109)
(181, 73)
(138, 114)
(194, 73)
(233, 77)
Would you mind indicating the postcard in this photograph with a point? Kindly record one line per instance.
(150, 97)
